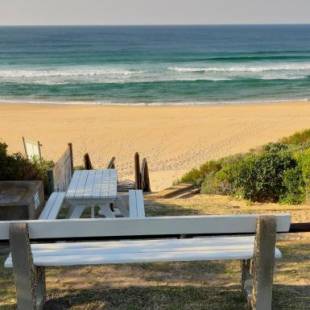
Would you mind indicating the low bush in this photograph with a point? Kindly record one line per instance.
(298, 138)
(16, 167)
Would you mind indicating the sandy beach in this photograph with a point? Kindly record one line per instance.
(173, 138)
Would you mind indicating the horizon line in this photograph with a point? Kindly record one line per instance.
(152, 25)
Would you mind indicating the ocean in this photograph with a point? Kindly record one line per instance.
(155, 64)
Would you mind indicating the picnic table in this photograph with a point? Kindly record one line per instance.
(90, 188)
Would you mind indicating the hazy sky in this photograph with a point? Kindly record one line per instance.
(106, 12)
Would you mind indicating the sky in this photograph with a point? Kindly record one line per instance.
(137, 12)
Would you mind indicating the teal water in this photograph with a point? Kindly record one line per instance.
(155, 64)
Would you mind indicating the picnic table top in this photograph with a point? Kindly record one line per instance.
(93, 184)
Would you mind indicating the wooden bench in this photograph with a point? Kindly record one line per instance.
(248, 238)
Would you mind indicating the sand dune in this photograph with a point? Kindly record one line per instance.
(173, 138)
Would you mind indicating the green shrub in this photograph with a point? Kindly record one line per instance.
(197, 176)
(298, 138)
(303, 159)
(294, 184)
(15, 167)
(261, 177)
(275, 147)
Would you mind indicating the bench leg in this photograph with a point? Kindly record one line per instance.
(29, 279)
(247, 280)
(263, 263)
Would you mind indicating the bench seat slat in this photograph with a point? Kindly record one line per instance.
(142, 251)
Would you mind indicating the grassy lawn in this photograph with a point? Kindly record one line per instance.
(210, 285)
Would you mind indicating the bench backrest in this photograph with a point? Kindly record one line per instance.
(151, 226)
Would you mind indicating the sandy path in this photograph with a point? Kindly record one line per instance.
(173, 138)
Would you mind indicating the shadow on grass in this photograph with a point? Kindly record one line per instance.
(155, 208)
(154, 297)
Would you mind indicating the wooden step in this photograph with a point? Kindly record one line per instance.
(176, 190)
(191, 193)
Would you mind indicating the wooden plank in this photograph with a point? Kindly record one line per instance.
(60, 197)
(62, 171)
(89, 183)
(49, 204)
(74, 183)
(119, 252)
(136, 204)
(161, 226)
(79, 190)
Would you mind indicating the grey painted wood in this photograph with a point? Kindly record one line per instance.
(247, 279)
(52, 206)
(143, 251)
(264, 263)
(166, 225)
(89, 188)
(136, 204)
(92, 184)
(29, 280)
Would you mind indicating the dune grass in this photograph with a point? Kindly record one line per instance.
(201, 285)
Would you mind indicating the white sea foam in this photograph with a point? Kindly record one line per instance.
(245, 68)
(153, 73)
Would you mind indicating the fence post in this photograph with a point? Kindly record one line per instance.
(71, 157)
(146, 186)
(111, 164)
(50, 181)
(137, 171)
(87, 162)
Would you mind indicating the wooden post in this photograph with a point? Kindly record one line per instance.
(146, 186)
(25, 148)
(39, 149)
(87, 162)
(71, 157)
(263, 263)
(137, 172)
(50, 181)
(29, 280)
(246, 279)
(111, 164)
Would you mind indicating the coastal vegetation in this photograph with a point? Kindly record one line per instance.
(15, 167)
(276, 172)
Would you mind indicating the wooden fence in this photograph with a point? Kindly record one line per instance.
(59, 177)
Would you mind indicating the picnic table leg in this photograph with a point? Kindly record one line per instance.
(263, 263)
(76, 212)
(106, 211)
(29, 279)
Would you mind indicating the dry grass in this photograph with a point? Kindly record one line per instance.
(210, 285)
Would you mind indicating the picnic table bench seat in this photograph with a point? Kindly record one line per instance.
(251, 239)
(53, 206)
(131, 204)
